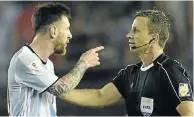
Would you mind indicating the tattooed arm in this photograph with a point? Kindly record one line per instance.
(71, 80)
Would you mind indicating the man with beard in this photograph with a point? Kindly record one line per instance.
(32, 83)
(157, 86)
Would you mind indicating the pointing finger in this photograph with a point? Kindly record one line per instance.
(98, 48)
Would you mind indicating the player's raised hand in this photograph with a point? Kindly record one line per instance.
(90, 57)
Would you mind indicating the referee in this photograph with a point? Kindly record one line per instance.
(156, 86)
(32, 83)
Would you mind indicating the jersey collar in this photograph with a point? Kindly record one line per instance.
(159, 59)
(35, 53)
(146, 67)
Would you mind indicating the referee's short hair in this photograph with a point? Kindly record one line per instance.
(158, 23)
(48, 13)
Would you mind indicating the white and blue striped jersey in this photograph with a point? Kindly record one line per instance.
(28, 78)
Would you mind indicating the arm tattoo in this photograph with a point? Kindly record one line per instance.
(69, 81)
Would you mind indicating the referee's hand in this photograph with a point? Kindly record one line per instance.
(90, 57)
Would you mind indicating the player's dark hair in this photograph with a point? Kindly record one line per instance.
(158, 23)
(48, 13)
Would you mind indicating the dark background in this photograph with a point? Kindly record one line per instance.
(94, 24)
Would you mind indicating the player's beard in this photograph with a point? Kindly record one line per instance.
(60, 49)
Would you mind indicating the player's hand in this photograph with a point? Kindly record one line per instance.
(90, 57)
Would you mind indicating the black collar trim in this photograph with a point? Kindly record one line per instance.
(35, 53)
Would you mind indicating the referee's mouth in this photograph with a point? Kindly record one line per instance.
(132, 45)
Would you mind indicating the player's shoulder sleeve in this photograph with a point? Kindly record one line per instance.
(30, 72)
(123, 79)
(51, 65)
(176, 82)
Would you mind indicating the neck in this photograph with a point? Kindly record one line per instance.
(42, 48)
(148, 59)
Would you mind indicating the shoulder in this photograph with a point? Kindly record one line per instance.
(25, 56)
(130, 68)
(173, 70)
(50, 65)
(172, 65)
(50, 62)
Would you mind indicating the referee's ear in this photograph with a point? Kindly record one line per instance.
(155, 37)
(53, 31)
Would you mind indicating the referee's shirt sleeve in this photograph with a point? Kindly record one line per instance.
(120, 82)
(176, 84)
(33, 74)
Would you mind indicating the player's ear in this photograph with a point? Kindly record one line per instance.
(53, 32)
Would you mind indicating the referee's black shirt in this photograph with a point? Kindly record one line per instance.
(165, 83)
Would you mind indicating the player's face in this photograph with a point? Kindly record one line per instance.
(139, 35)
(64, 35)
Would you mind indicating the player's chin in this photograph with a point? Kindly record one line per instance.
(63, 53)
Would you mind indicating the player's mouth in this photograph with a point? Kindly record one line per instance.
(66, 42)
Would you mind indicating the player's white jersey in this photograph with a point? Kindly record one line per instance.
(28, 78)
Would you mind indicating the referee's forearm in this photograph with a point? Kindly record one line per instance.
(69, 81)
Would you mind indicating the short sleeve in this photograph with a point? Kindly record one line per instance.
(176, 84)
(122, 80)
(34, 74)
(118, 81)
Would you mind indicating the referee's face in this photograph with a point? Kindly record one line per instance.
(64, 36)
(139, 37)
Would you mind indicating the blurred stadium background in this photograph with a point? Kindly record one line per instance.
(94, 24)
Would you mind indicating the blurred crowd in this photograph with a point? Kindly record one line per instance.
(94, 24)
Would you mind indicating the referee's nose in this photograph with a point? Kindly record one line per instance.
(129, 36)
